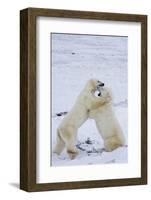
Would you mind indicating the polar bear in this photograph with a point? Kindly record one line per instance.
(106, 121)
(67, 131)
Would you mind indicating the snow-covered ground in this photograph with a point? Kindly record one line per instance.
(76, 59)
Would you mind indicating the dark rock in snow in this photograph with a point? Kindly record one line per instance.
(61, 113)
(88, 141)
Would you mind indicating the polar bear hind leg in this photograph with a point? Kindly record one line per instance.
(112, 143)
(68, 135)
(59, 145)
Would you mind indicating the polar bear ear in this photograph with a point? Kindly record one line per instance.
(90, 86)
(93, 83)
(109, 97)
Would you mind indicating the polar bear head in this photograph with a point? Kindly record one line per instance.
(90, 99)
(93, 85)
(104, 94)
(103, 98)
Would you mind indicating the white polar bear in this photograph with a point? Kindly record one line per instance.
(67, 131)
(106, 121)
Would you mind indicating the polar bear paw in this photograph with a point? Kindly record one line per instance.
(72, 153)
(112, 143)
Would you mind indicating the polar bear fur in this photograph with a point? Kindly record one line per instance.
(106, 121)
(67, 131)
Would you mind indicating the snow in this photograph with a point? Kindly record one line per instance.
(76, 59)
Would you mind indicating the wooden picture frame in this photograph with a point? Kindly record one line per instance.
(28, 98)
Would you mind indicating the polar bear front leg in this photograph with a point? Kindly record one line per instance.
(69, 135)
